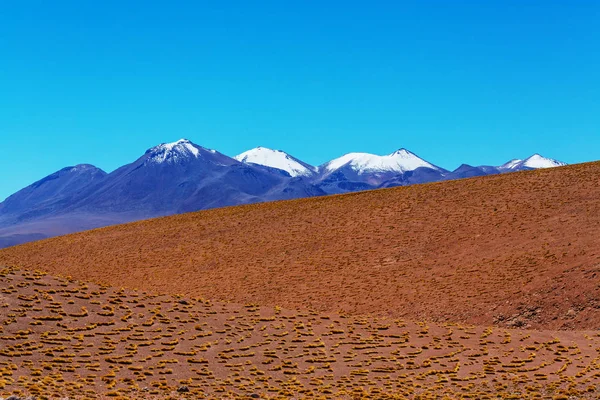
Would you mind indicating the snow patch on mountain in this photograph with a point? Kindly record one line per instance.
(276, 159)
(173, 152)
(511, 164)
(400, 161)
(537, 161)
(83, 167)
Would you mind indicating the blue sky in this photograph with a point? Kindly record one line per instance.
(479, 82)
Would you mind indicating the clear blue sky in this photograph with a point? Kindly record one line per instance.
(479, 82)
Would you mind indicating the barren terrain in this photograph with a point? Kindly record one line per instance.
(520, 250)
(60, 337)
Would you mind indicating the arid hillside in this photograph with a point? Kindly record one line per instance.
(65, 338)
(515, 250)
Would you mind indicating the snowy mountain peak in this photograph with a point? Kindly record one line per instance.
(399, 161)
(403, 153)
(536, 161)
(173, 152)
(276, 159)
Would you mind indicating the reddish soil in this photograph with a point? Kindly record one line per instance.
(519, 250)
(60, 337)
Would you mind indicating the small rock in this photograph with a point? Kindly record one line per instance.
(516, 323)
(183, 389)
(13, 398)
(254, 396)
(184, 302)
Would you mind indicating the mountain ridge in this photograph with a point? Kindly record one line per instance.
(181, 176)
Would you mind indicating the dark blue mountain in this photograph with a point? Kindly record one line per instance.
(419, 175)
(469, 171)
(48, 195)
(337, 182)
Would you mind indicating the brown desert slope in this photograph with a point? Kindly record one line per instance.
(519, 249)
(63, 338)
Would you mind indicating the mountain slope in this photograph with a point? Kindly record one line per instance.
(48, 194)
(524, 245)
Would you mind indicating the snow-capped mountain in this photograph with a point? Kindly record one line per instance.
(536, 161)
(183, 151)
(277, 159)
(362, 171)
(181, 176)
(399, 161)
(179, 151)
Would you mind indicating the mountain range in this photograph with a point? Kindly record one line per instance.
(180, 177)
